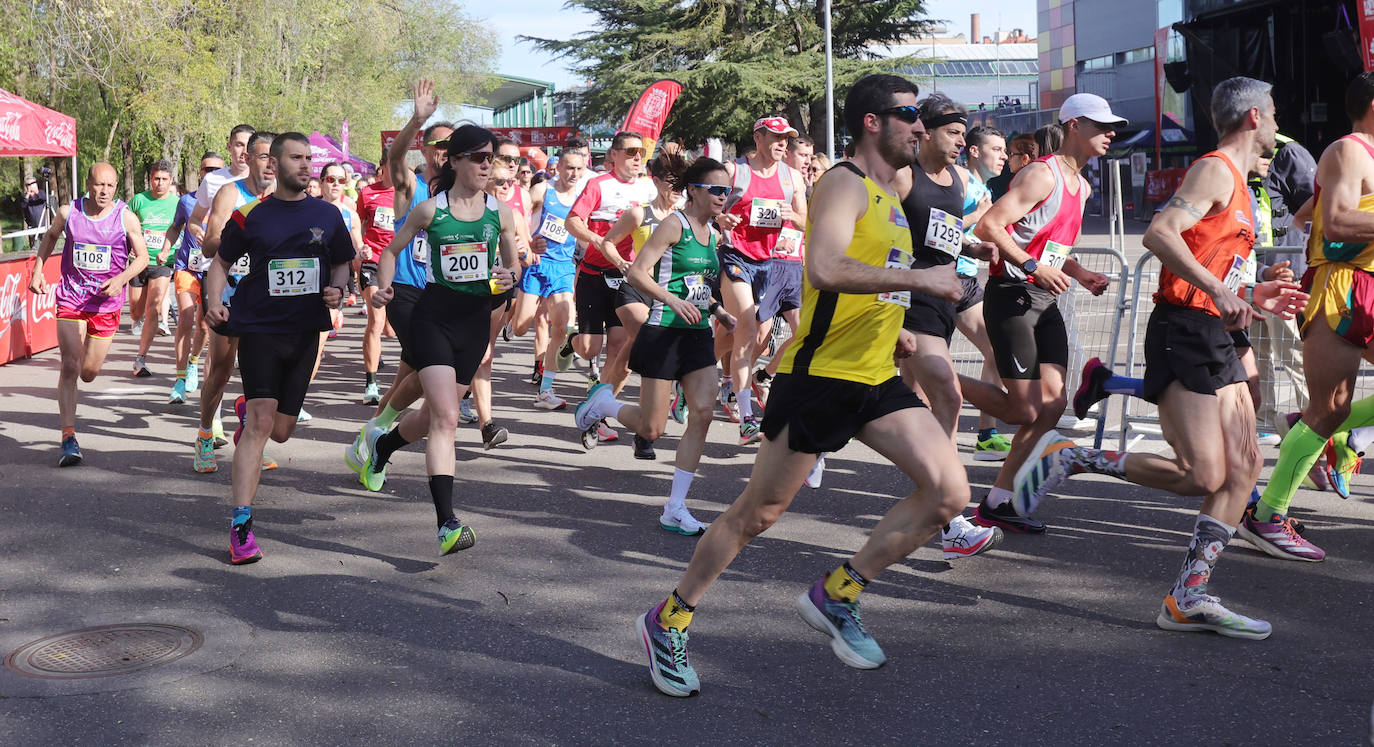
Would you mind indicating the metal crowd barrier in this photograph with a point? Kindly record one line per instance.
(1094, 325)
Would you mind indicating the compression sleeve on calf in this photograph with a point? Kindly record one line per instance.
(1300, 450)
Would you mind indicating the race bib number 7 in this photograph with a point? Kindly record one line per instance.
(91, 257)
(765, 213)
(897, 260)
(293, 277)
(1055, 255)
(464, 263)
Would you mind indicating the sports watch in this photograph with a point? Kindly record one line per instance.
(1030, 266)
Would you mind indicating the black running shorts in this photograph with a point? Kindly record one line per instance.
(398, 313)
(278, 366)
(1025, 328)
(595, 299)
(450, 328)
(669, 353)
(1191, 347)
(368, 274)
(928, 315)
(973, 293)
(823, 414)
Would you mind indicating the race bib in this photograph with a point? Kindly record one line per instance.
(789, 243)
(464, 263)
(765, 213)
(897, 260)
(293, 277)
(698, 292)
(613, 283)
(241, 266)
(1055, 255)
(196, 262)
(419, 248)
(553, 229)
(91, 257)
(945, 232)
(154, 240)
(1236, 276)
(1251, 270)
(384, 219)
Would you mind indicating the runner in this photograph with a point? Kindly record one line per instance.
(987, 153)
(102, 252)
(377, 212)
(678, 271)
(299, 255)
(767, 196)
(1204, 236)
(548, 283)
(1034, 228)
(451, 322)
(155, 208)
(188, 270)
(838, 382)
(259, 182)
(602, 269)
(411, 268)
(333, 177)
(1337, 330)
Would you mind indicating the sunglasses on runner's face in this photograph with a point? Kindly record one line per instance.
(477, 156)
(907, 114)
(508, 160)
(633, 152)
(715, 190)
(437, 143)
(335, 180)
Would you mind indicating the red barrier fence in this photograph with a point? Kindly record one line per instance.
(28, 323)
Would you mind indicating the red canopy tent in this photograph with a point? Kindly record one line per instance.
(27, 323)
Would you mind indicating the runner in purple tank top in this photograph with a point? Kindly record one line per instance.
(104, 249)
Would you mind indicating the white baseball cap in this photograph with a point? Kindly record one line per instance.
(1090, 106)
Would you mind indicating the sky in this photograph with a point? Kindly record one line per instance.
(548, 19)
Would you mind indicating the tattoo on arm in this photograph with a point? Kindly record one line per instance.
(1185, 206)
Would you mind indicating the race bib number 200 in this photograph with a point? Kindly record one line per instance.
(293, 277)
(464, 263)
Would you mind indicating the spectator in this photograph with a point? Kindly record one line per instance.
(35, 204)
(1020, 152)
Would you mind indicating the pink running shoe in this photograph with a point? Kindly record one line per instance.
(1278, 538)
(241, 410)
(243, 547)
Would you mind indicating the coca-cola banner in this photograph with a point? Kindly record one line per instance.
(28, 323)
(27, 129)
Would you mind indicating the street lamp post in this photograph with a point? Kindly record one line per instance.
(829, 90)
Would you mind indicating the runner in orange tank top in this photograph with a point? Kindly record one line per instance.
(1203, 236)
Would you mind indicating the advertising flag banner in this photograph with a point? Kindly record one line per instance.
(650, 113)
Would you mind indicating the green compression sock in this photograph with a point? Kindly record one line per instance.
(1300, 450)
(387, 417)
(1361, 415)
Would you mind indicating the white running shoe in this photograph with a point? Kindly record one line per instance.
(813, 478)
(678, 519)
(966, 539)
(304, 417)
(547, 400)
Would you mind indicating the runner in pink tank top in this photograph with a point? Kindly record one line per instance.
(104, 250)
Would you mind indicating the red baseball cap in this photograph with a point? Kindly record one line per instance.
(775, 125)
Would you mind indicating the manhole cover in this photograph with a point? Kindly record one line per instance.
(103, 651)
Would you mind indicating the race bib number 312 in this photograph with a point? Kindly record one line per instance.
(293, 277)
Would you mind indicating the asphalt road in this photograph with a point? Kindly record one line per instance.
(351, 630)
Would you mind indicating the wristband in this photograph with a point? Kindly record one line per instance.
(712, 308)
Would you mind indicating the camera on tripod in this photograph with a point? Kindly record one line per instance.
(45, 172)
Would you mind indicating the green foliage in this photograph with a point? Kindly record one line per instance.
(737, 60)
(170, 78)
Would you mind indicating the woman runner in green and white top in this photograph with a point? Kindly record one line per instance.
(678, 272)
(449, 327)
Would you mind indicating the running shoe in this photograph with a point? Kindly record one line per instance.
(333, 333)
(241, 411)
(217, 431)
(588, 413)
(813, 478)
(565, 354)
(840, 620)
(1003, 516)
(1278, 537)
(1206, 613)
(1042, 472)
(304, 417)
(71, 453)
(454, 536)
(243, 546)
(268, 463)
(964, 539)
(162, 329)
(547, 400)
(749, 431)
(136, 331)
(371, 395)
(537, 375)
(466, 415)
(994, 448)
(1068, 422)
(493, 435)
(605, 433)
(1269, 439)
(141, 367)
(192, 376)
(357, 453)
(761, 384)
(731, 408)
(373, 479)
(178, 395)
(204, 461)
(644, 449)
(593, 380)
(1091, 390)
(352, 299)
(1341, 463)
(505, 333)
(679, 519)
(678, 407)
(669, 666)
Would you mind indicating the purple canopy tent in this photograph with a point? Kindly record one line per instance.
(324, 150)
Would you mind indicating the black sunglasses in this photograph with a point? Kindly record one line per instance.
(908, 114)
(715, 190)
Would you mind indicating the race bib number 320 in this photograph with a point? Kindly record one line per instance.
(765, 213)
(91, 257)
(464, 263)
(293, 277)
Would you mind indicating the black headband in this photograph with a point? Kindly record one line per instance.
(948, 118)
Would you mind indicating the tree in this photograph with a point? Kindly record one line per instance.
(737, 60)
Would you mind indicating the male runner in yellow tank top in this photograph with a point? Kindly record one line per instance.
(838, 382)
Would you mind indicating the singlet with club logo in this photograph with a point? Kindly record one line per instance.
(462, 253)
(688, 270)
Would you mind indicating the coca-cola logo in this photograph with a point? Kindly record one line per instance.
(61, 134)
(9, 126)
(44, 307)
(11, 301)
